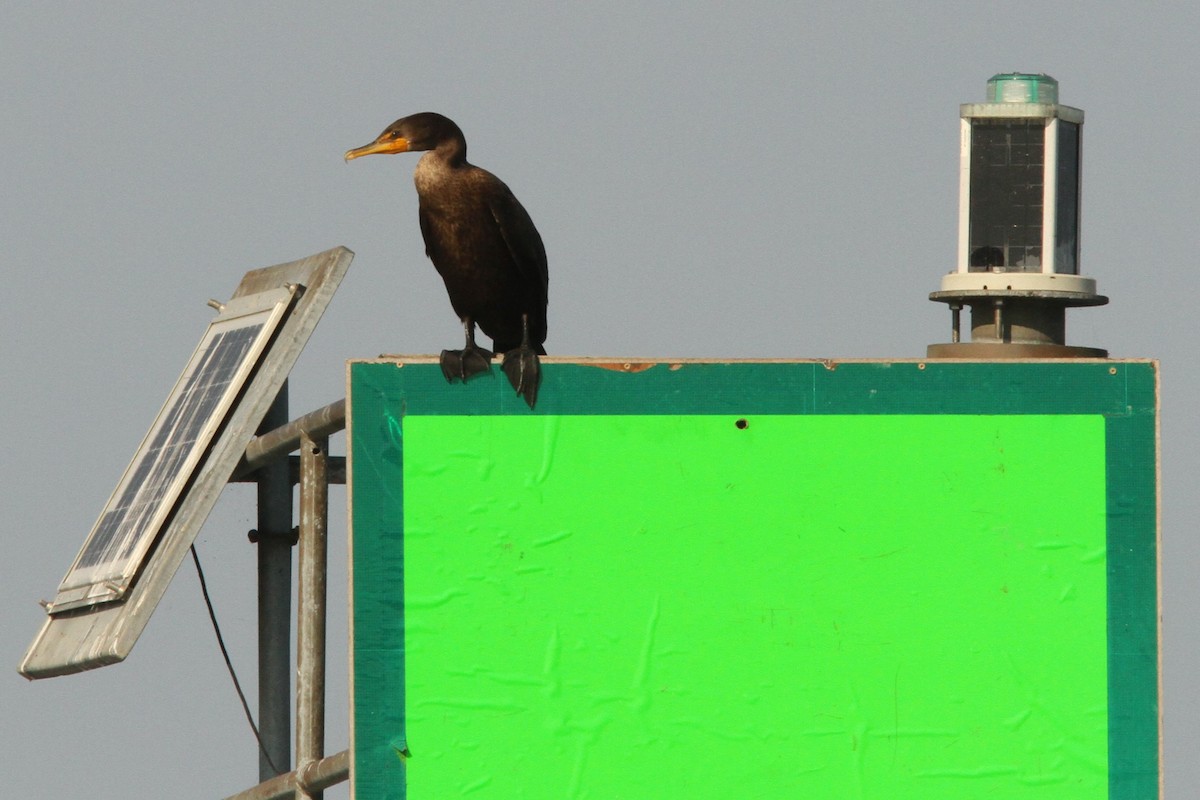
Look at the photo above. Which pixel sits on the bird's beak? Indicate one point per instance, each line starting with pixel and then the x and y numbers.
pixel 399 145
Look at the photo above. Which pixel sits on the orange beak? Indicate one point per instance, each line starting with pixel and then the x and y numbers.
pixel 380 145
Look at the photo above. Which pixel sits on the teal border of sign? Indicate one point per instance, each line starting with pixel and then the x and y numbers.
pixel 1125 393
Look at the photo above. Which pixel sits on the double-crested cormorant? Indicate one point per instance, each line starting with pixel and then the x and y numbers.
pixel 484 245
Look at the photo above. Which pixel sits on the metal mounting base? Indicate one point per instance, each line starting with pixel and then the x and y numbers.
pixel 987 351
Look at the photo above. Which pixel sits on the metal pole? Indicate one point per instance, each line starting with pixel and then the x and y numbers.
pixel 269 445
pixel 274 538
pixel 319 775
pixel 310 626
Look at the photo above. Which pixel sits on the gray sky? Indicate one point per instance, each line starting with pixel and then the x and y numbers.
pixel 710 180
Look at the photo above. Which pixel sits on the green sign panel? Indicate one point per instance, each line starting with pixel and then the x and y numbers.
pixel 893 580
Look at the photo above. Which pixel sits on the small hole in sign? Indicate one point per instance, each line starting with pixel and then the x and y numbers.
pixel 742 424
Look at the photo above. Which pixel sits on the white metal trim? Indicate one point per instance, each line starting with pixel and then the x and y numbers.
pixel 1026 110
pixel 964 196
pixel 1018 281
pixel 1049 196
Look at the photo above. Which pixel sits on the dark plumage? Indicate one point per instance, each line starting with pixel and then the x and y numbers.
pixel 484 245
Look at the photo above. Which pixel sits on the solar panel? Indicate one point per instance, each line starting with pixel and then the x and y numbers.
pixel 169 455
pixel 163 499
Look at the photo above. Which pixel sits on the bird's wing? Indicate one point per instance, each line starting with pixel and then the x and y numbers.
pixel 427 233
pixel 522 238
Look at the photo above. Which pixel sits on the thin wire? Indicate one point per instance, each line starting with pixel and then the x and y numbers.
pixel 212 615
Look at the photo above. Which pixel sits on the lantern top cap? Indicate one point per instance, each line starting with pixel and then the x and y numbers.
pixel 1022 87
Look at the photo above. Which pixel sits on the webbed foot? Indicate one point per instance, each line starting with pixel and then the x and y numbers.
pixel 462 365
pixel 524 372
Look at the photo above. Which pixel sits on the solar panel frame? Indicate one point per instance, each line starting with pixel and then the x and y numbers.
pixel 94 636
pixel 164 463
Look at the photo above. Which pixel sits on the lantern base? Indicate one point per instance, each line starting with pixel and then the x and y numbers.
pixel 995 351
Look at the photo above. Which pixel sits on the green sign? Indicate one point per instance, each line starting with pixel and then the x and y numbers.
pixel 894 580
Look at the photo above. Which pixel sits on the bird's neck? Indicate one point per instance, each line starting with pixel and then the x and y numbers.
pixel 435 170
pixel 451 151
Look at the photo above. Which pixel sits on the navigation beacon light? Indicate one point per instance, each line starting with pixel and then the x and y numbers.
pixel 1018 225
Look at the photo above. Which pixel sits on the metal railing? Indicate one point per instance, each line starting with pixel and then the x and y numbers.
pixel 309 434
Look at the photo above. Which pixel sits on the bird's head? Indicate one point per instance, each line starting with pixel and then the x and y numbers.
pixel 424 131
